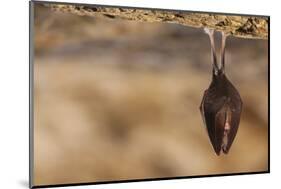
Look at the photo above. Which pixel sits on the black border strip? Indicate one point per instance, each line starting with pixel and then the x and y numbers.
pixel 31 108
pixel 268 93
pixel 31 112
pixel 149 179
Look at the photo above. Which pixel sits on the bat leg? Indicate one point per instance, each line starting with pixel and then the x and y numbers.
pixel 222 53
pixel 210 33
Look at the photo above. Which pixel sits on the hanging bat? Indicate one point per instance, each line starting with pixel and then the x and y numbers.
pixel 221 105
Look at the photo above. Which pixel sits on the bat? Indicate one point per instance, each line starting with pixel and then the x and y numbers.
pixel 221 105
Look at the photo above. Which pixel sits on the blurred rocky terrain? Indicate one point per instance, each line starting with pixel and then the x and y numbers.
pixel 120 100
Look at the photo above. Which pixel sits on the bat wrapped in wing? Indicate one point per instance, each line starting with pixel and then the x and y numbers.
pixel 221 105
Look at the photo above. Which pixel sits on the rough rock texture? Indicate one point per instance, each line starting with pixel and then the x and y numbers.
pixel 238 26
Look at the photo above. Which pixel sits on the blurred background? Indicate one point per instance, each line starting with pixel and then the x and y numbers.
pixel 118 100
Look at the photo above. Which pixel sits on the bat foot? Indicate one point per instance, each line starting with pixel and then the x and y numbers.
pixel 209 31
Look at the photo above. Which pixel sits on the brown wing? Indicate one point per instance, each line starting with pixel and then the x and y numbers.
pixel 202 108
pixel 213 113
